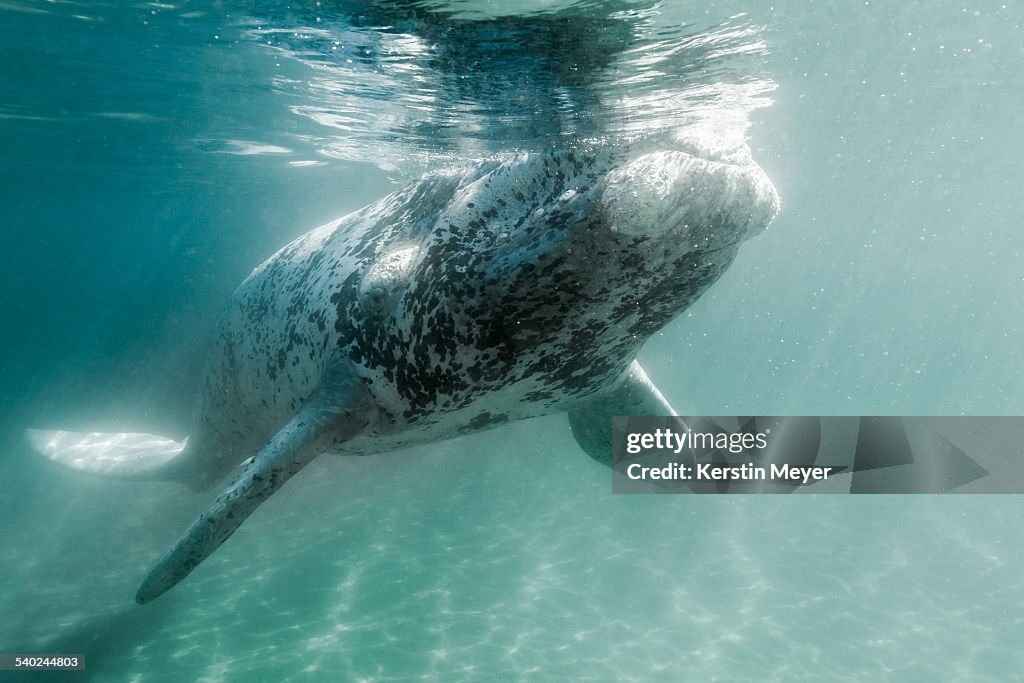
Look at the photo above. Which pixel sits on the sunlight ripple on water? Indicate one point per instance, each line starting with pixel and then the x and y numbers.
pixel 404 82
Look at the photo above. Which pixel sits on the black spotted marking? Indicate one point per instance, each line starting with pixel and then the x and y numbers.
pixel 484 420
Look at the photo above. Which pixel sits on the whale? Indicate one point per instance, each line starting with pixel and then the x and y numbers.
pixel 517 287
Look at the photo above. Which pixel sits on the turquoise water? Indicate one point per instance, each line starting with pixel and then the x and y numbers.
pixel 154 153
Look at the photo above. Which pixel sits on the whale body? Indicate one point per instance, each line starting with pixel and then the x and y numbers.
pixel 517 288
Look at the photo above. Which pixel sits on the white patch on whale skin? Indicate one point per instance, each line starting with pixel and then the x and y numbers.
pixel 388 277
pixel 391 270
pixel 393 266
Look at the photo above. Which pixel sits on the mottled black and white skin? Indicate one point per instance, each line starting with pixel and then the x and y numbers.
pixel 514 289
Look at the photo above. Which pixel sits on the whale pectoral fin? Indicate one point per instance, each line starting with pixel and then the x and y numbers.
pixel 635 394
pixel 125 455
pixel 340 408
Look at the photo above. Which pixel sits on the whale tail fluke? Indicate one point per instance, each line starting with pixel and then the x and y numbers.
pixel 121 455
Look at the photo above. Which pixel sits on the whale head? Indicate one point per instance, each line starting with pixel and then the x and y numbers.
pixel 699 190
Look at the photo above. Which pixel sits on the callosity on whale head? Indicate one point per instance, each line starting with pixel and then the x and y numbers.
pixel 517 288
pixel 703 187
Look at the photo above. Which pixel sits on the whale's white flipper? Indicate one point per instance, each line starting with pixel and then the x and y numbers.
pixel 340 408
pixel 123 455
pixel 634 394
